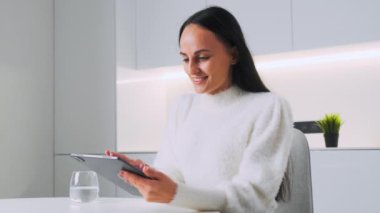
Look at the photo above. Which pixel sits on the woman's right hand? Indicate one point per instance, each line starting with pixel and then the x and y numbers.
pixel 160 188
pixel 136 163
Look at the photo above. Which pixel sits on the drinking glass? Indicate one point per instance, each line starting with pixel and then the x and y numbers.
pixel 84 186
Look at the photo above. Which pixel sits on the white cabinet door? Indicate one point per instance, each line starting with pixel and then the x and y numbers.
pixel 345 180
pixel 125 18
pixel 266 24
pixel 327 23
pixel 85 76
pixel 64 166
pixel 26 98
pixel 157 28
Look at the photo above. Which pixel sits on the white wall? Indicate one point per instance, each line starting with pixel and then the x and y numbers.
pixel 26 98
pixel 143 101
pixel 340 79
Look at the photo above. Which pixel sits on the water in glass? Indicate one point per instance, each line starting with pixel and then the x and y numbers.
pixel 84 186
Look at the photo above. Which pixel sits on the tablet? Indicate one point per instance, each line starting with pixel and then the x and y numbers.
pixel 109 167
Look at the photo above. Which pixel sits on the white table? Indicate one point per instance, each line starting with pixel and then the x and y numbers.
pixel 65 205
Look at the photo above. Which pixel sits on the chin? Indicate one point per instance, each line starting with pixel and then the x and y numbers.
pixel 199 90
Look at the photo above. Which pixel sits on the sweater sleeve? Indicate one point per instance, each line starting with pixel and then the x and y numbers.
pixel 165 160
pixel 255 186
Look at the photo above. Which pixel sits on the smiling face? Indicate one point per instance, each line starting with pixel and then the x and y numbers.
pixel 206 60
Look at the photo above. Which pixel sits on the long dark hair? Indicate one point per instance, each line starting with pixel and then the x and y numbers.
pixel 244 74
pixel 224 25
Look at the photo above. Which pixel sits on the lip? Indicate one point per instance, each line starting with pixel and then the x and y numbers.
pixel 199 79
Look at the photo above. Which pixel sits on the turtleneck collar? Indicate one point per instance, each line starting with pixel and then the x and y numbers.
pixel 220 99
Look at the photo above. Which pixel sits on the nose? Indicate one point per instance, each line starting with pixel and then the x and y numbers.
pixel 193 67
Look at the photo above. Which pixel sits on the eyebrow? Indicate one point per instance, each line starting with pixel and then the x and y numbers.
pixel 196 52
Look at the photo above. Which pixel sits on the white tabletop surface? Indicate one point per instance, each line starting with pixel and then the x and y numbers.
pixel 65 205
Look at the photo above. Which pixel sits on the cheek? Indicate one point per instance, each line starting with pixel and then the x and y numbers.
pixel 206 67
pixel 218 70
pixel 185 68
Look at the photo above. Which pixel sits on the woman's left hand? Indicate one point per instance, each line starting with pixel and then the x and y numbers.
pixel 160 188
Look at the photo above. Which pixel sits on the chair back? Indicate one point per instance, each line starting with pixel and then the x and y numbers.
pixel 301 196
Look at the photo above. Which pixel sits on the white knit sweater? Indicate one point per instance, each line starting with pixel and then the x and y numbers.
pixel 227 152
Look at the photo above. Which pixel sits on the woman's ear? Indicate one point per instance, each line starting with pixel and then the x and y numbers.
pixel 235 55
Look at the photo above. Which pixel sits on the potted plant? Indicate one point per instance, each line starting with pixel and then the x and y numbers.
pixel 330 126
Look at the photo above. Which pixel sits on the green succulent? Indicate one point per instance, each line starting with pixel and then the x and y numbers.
pixel 330 124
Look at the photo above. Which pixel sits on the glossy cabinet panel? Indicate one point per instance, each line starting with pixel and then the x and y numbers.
pixel 345 180
pixel 26 98
pixel 328 23
pixel 157 28
pixel 267 25
pixel 85 76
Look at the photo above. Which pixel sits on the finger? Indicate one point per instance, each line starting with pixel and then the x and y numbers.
pixel 136 163
pixel 107 152
pixel 133 179
pixel 139 164
pixel 121 156
pixel 140 184
pixel 151 172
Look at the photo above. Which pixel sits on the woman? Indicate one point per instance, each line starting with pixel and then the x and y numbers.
pixel 227 146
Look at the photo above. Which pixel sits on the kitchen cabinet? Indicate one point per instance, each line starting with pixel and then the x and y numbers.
pixel 267 25
pixel 157 27
pixel 329 23
pixel 85 76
